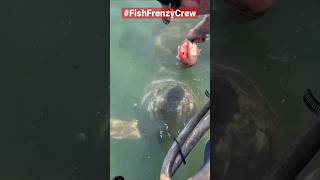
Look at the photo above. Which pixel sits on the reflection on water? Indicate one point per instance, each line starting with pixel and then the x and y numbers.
pixel 143 51
pixel 279 51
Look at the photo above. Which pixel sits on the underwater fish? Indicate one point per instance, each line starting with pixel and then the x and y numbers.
pixel 188 53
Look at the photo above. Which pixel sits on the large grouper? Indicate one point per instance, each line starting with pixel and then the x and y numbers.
pixel 246 140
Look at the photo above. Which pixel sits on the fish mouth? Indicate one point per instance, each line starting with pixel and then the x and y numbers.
pixel 191 134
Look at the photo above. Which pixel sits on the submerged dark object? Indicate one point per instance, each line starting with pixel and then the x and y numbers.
pixel 303 150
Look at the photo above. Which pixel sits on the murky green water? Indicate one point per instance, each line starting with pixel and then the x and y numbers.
pixel 53 84
pixel 280 52
pixel 135 61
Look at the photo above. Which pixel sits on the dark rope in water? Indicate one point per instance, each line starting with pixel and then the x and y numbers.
pixel 180 151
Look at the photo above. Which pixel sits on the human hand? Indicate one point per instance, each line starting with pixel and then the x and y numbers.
pixel 197 35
